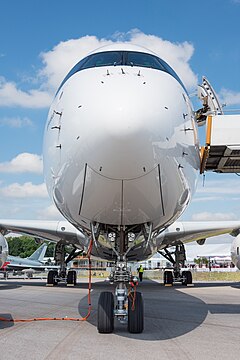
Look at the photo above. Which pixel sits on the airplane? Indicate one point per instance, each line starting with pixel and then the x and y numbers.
pixel 235 252
pixel 33 262
pixel 3 250
pixel 121 159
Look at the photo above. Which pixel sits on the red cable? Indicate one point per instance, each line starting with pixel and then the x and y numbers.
pixel 133 296
pixel 65 318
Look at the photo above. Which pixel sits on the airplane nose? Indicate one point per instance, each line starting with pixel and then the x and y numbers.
pixel 119 137
pixel 124 136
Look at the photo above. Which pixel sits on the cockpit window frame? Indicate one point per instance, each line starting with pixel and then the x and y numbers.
pixel 93 61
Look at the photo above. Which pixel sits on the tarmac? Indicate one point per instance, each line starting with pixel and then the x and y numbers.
pixel 199 322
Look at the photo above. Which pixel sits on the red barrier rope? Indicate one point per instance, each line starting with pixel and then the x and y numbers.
pixel 65 318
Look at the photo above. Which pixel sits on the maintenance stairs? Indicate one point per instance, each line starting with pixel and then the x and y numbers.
pixel 221 152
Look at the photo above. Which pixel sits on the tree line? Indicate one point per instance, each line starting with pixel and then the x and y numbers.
pixel 24 246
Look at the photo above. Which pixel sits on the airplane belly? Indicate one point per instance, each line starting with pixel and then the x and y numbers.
pixel 156 197
pixel 122 202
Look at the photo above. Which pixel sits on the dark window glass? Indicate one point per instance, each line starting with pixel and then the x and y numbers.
pixel 143 60
pixel 122 58
pixel 109 58
pixel 169 70
pixel 74 70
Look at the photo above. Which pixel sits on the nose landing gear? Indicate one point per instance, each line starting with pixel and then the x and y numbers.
pixel 128 303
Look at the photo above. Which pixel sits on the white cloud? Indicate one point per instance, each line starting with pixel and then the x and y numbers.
pixel 177 55
pixel 16 122
pixel 229 97
pixel 10 95
pixel 27 190
pixel 213 216
pixel 207 198
pixel 58 61
pixel 50 213
pixel 24 162
pixel 66 54
pixel 222 187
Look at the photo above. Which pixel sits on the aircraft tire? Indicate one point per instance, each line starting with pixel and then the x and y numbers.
pixel 187 277
pixel 51 277
pixel 168 278
pixel 72 277
pixel 135 313
pixel 105 313
pixel 184 278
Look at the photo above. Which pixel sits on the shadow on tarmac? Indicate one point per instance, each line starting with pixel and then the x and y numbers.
pixel 168 312
pixel 236 285
pixel 6 324
pixel 8 286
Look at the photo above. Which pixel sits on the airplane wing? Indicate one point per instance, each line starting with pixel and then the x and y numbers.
pixel 16 266
pixel 177 232
pixel 197 231
pixel 48 230
pixel 24 266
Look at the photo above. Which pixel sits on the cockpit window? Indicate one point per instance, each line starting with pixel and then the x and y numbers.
pixel 110 58
pixel 143 60
pixel 122 58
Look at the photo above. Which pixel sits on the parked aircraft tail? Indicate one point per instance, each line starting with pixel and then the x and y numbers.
pixel 39 253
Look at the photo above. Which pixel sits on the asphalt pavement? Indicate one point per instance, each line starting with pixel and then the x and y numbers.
pixel 199 322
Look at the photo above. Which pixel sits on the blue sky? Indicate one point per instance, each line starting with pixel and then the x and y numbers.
pixel 41 40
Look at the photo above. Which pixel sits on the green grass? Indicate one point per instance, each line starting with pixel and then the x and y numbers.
pixel 216 276
pixel 199 276
pixel 158 274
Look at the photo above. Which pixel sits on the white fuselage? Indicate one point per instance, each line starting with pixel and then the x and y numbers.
pixel 3 250
pixel 235 251
pixel 121 146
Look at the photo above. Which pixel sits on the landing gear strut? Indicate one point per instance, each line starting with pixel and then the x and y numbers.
pixel 178 261
pixel 62 275
pixel 128 302
pixel 128 308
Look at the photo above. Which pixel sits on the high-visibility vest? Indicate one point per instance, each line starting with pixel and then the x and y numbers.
pixel 140 270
